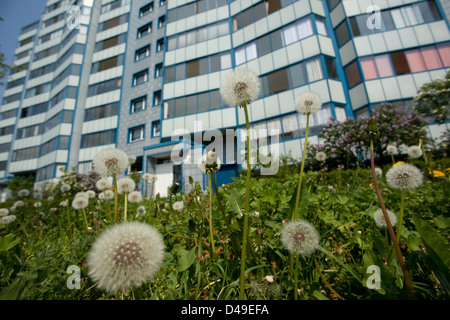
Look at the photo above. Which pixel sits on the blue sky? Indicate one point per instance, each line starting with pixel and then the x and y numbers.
pixel 16 14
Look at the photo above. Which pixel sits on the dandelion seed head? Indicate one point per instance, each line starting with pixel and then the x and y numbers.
pixel 80 203
pixel 125 255
pixel 308 103
pixel 380 221
pixel 404 176
pixel 65 187
pixel 7 219
pixel 321 156
pixel 178 205
pixel 240 88
pixel 378 172
pixel 23 193
pixel 103 184
pixel 37 204
pixel 4 212
pixel 141 210
pixel 135 197
pixel 91 194
pixel 414 152
pixel 300 237
pixel 391 149
pixel 125 185
pixel 111 162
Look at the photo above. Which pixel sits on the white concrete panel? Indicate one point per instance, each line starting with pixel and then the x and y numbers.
pixel 440 31
pixel 294 52
pixel 189 122
pixel 375 91
pixel 202 83
pixel 301 8
pixel 215 119
pixel 421 78
pixel 337 91
pixel 391 89
pixel 337 15
pixel 392 40
pixel 212 46
pixel 169 58
pixel 266 63
pixel 280 58
pixel 271 106
pixel 203 118
pixel 310 47
pixel 249 33
pixel 191 51
pixel 351 7
pixel 274 20
pixel 408 37
pixel 286 101
pixel 261 27
pixel 377 43
pixel 358 96
pixel 423 34
pixel 326 45
pixel 191 85
pixel 256 110
pixel 407 86
pixel 169 90
pixel 362 46
pixel 321 88
pixel 228 117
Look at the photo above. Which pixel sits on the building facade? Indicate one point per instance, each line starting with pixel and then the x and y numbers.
pixel 144 76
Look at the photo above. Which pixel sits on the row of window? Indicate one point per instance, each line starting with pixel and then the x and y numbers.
pixel 193 8
pixel 272 83
pixel 390 19
pixel 60 142
pixel 140 103
pixel 194 36
pixel 258 12
pixel 137 133
pixel 107 63
pixel 34 110
pixel 108 110
pixel 105 86
pixel 110 42
pixel 15 83
pixel 399 62
pixel 114 22
pixel 397 18
pixel 113 5
pixel 278 39
pixel 197 67
pixel 6 130
pixel 148 8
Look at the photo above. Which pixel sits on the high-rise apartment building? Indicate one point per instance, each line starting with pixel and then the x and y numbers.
pixel 144 76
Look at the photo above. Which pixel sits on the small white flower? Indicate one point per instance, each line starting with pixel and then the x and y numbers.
pixel 210 163
pixel 63 203
pixel 37 204
pixel 321 156
pixel 391 149
pixel 178 206
pixel 240 88
pixel 4 212
pixel 270 279
pixel 141 210
pixel 111 162
pixel 403 148
pixel 308 103
pixel 103 184
pixel 135 197
pixel 414 152
pixel 109 194
pixel 125 185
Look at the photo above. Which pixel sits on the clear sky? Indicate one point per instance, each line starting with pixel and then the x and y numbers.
pixel 16 14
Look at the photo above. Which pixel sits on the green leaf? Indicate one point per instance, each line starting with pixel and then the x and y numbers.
pixel 8 242
pixel 319 295
pixel 236 202
pixel 186 260
pixel 14 291
pixel 434 243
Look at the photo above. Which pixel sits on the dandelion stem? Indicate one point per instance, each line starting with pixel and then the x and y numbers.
pixel 297 199
pixel 389 225
pixel 220 202
pixel 210 215
pixel 296 278
pixel 125 209
pixel 402 210
pixel 116 201
pixel 68 220
pixel 246 207
pixel 85 219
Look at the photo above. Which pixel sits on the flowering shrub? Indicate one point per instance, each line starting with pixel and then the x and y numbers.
pixel 346 144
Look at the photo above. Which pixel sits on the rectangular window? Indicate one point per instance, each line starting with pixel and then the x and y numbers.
pixel 400 63
pixel 158 70
pixel 105 86
pixel 342 33
pixel 142 53
pixel 160 45
pixel 352 72
pixel 161 21
pixel 101 112
pixel 140 77
pixel 145 10
pixel 157 98
pixel 6 130
pixel 192 68
pixel 156 129
pixel 98 138
pixel 139 104
pixel 136 134
pixel 278 81
pixel 144 30
pixel 25 154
